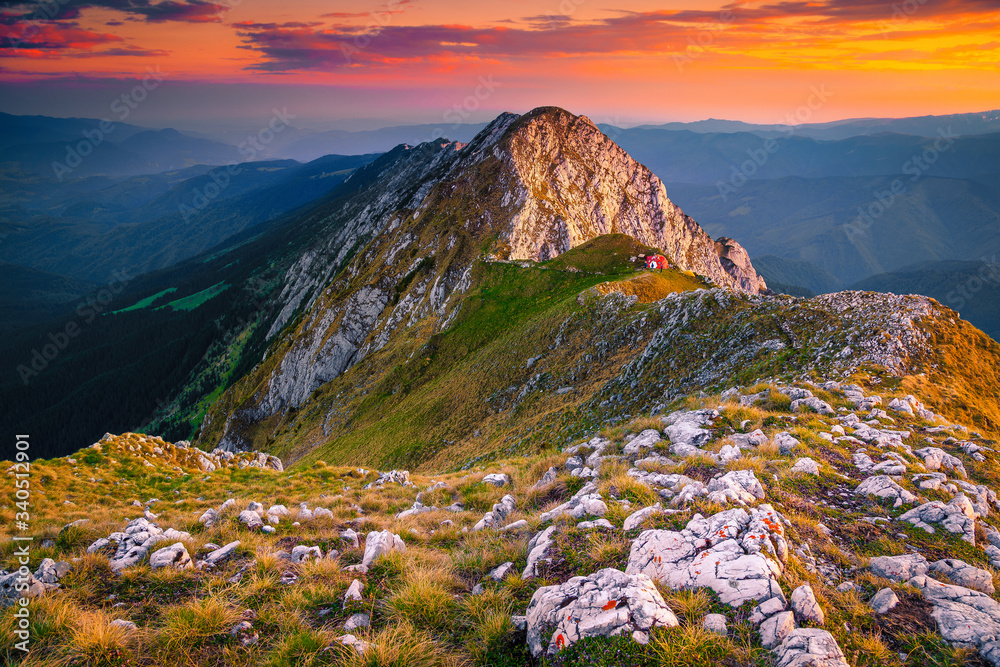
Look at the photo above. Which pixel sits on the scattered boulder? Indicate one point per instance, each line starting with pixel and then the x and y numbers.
pixel 805 605
pixel 128 626
pixel 684 429
pixel 251 520
pixel 496 517
pixel 244 633
pixel 957 516
pixel 964 617
pixel 735 553
pixel 357 621
pixel 884 601
pixel 500 572
pixel 222 553
pixel 401 477
pixel 961 573
pixel 49 572
pixel 585 502
pixel 813 403
pixel 14 586
pixel 774 630
pixel 810 647
pixel 645 440
pixel 538 548
pixel 884 487
pixel 548 478
pixel 636 519
pixel 353 593
pixel 715 623
pixel 176 555
pixel 302 553
pixel 379 544
pixel 899 568
pixel 937 459
pixel 358 645
pixel 785 442
pixel 738 486
pixel 497 479
pixel 607 603
pixel 806 465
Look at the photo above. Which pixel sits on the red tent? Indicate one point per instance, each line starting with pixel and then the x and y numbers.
pixel 654 262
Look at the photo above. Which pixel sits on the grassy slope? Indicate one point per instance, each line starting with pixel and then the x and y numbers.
pixel 419 601
pixel 435 401
pixel 410 403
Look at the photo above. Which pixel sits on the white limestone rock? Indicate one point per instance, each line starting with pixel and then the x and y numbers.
pixel 636 519
pixel 884 487
pixel 607 603
pixel 884 601
pixel 807 466
pixel 176 555
pixel 810 647
pixel 736 486
pixel 497 479
pixel 958 516
pixel 805 605
pixel 963 574
pixel 379 543
pixel 899 568
pixel 737 554
pixel 496 517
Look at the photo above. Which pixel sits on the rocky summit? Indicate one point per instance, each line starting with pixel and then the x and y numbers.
pixel 482 432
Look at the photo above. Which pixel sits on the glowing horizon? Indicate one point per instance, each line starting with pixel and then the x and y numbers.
pixel 641 61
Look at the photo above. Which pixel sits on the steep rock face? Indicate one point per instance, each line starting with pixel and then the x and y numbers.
pixel 525 188
pixel 574 183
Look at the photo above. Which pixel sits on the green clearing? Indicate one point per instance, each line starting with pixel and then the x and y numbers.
pixel 194 300
pixel 145 303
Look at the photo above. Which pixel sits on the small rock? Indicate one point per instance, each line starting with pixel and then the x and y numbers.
pixel 716 623
pixel 353 593
pixel 356 621
pixel 899 568
pixel 884 601
pixel 497 479
pixel 774 630
pixel 805 605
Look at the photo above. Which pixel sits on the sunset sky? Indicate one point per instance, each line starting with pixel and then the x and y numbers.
pixel 375 63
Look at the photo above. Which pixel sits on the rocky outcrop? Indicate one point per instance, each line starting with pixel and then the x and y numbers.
pixel 607 603
pixel 535 185
pixel 611 193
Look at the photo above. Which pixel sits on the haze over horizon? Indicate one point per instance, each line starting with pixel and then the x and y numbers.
pixel 434 61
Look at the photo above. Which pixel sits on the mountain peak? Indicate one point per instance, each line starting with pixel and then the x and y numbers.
pixel 569 182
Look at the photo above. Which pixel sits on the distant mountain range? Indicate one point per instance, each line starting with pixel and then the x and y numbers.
pixel 983 122
pixel 146 223
pixel 72 148
pixel 796 196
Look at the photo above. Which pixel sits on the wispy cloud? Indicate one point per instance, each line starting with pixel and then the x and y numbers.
pixel 774 30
